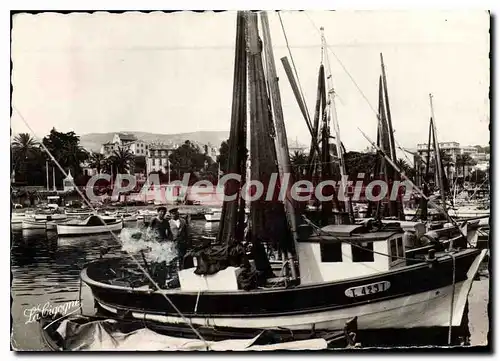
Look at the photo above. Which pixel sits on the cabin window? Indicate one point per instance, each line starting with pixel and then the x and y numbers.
pixel 364 254
pixel 331 252
pixel 397 249
pixel 394 250
pixel 400 247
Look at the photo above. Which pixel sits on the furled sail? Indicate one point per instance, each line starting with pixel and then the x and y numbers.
pixel 267 216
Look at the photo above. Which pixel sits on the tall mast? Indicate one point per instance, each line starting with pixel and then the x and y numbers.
pixel 333 113
pixel 281 143
pixel 317 113
pixel 396 206
pixel 54 178
pixel 298 97
pixel 47 174
pixel 437 155
pixel 388 110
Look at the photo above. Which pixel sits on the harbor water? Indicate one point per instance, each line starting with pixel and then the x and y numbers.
pixel 45 273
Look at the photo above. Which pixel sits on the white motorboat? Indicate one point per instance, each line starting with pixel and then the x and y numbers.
pixel 214 214
pixel 50 217
pixel 78 213
pixel 91 225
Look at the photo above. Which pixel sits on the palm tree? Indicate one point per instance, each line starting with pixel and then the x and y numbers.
pixel 24 148
pixel 409 171
pixel 72 156
pixel 121 160
pixel 463 161
pixel 97 161
pixel 298 161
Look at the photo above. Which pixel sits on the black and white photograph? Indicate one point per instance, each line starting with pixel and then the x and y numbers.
pixel 265 180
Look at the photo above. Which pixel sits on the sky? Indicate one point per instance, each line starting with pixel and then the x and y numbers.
pixel 173 73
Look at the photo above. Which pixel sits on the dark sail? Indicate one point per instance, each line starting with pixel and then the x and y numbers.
pixel 231 225
pixel 267 217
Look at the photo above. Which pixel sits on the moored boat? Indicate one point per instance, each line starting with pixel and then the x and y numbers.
pixel 338 281
pixel 333 272
pixel 213 215
pixel 33 224
pixel 77 213
pixel 91 225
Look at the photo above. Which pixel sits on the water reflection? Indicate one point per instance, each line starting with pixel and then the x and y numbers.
pixel 46 268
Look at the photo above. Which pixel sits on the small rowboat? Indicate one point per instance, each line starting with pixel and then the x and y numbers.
pixel 33 224
pixel 91 225
pixel 73 213
pixel 50 217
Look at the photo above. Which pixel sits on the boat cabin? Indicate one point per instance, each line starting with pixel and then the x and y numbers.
pixel 95 220
pixel 53 202
pixel 340 252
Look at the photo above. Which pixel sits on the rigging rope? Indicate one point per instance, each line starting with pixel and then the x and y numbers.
pixel 186 320
pixel 357 87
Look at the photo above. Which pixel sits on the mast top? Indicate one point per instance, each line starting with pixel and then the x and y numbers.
pixel 322 29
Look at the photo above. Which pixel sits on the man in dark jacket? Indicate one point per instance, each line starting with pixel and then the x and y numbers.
pixel 180 236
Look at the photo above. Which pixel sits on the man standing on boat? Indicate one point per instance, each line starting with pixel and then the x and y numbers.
pixel 179 232
pixel 159 227
pixel 159 231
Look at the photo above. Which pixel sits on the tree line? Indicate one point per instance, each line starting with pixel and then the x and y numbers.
pixel 29 161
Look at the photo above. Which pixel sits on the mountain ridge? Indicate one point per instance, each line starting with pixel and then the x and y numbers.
pixel 93 141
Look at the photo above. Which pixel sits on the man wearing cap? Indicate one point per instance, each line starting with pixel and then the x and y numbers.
pixel 179 232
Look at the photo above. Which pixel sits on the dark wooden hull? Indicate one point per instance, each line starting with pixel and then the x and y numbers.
pixel 424 287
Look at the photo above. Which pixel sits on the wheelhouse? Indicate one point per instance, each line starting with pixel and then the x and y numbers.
pixel 339 252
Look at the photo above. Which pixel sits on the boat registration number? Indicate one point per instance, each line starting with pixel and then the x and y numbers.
pixel 368 289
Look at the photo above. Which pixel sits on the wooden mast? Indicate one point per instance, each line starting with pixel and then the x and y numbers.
pixel 281 143
pixel 383 141
pixel 438 156
pixel 319 109
pixel 423 202
pixel 298 97
pixel 336 127
pixel 396 207
pixel 388 111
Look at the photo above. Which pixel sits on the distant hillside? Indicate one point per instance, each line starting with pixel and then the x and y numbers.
pixel 93 141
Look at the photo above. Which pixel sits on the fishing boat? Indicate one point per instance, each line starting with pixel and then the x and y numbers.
pixel 339 281
pixel 49 217
pixel 213 215
pixel 125 216
pixel 334 272
pixel 146 214
pixel 77 212
pixel 33 224
pixel 18 218
pixel 91 225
